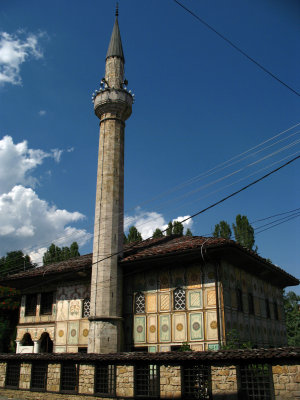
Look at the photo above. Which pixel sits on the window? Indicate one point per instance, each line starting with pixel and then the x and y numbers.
pixel 30 306
pixel 146 380
pixel 239 299
pixel 255 381
pixel 275 310
pixel 39 376
pixel 82 349
pixel 196 382
pixel 12 375
pixel 268 314
pixel 105 380
pixel 140 303
pixel 86 307
pixel 250 303
pixel 46 303
pixel 69 377
pixel 179 299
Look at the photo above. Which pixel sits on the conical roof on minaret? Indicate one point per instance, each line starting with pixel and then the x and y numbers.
pixel 115 48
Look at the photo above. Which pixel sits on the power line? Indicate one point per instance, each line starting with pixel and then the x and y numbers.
pixel 237 48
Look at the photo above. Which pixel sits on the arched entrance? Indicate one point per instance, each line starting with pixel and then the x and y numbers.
pixel 46 344
pixel 26 341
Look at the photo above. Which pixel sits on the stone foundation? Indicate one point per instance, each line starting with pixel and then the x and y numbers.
pixel 286 380
pixel 53 378
pixel 224 382
pixel 170 382
pixel 124 386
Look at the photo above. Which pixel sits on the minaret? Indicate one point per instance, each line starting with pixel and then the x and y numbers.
pixel 112 105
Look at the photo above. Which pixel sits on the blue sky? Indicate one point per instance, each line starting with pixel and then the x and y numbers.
pixel 198 103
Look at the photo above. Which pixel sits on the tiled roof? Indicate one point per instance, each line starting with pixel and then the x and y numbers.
pixel 155 248
pixel 172 357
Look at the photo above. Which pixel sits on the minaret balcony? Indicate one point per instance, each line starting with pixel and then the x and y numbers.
pixel 113 101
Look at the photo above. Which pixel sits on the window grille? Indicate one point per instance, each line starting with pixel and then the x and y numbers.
pixel 256 382
pixel 268 314
pixel 146 380
pixel 12 375
pixel 239 298
pixel 250 303
pixel 105 379
pixel 275 310
pixel 179 299
pixel 30 307
pixel 196 382
pixel 69 378
pixel 140 303
pixel 86 308
pixel 46 303
pixel 39 376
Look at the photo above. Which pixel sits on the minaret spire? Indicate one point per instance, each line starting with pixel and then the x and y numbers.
pixel 112 105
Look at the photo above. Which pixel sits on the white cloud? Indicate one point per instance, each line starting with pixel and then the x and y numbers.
pixel 147 221
pixel 69 150
pixel 14 51
pixel 57 154
pixel 42 113
pixel 26 221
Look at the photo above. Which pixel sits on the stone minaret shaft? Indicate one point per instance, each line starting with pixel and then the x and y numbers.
pixel 112 106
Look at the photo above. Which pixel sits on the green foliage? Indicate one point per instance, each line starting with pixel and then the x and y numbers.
pixel 185 347
pixel 157 233
pixel 134 235
pixel 169 230
pixel 15 261
pixel 243 232
pixel 188 232
pixel 56 254
pixel 177 228
pixel 174 228
pixel 222 229
pixel 292 317
pixel 233 341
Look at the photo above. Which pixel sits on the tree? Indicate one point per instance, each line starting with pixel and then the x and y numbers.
pixel 188 232
pixel 174 228
pixel 56 254
pixel 15 261
pixel 157 233
pixel 243 232
pixel 222 229
pixel 292 317
pixel 134 235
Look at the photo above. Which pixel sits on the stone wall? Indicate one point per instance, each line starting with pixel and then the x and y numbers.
pixel 53 378
pixel 25 376
pixel 286 380
pixel 224 382
pixel 124 386
pixel 170 382
pixel 86 379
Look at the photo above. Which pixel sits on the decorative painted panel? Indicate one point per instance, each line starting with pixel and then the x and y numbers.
pixel 152 328
pixel 75 309
pixel 60 349
pixel 213 346
pixel 73 332
pixel 164 328
pixel 139 330
pixel 61 333
pixel 211 325
pixel 83 332
pixel 152 349
pixel 179 328
pixel 196 326
pixel 165 302
pixel 197 347
pixel 194 279
pixel 62 310
pixel 210 297
pixel 151 302
pixel 194 299
pixel 164 348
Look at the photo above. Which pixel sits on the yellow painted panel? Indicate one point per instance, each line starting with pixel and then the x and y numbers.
pixel 211 325
pixel 152 328
pixel 165 302
pixel 210 296
pixel 151 302
pixel 179 328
